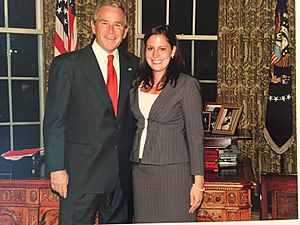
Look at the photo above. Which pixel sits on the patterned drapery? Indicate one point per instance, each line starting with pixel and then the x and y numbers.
pixel 245 40
pixel 246 30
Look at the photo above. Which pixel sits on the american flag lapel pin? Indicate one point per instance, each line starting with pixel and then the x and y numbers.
pixel 129 68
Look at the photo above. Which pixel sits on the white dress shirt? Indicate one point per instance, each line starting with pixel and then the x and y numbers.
pixel 101 56
pixel 146 101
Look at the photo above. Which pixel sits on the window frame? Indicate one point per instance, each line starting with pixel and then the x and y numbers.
pixel 182 37
pixel 38 31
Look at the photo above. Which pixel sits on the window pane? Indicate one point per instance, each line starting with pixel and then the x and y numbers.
pixel 26 137
pixel 24 55
pixel 153 13
pixel 25 101
pixel 4 116
pixel 207 17
pixel 179 23
pixel 21 14
pixel 208 92
pixel 1 13
pixel 186 54
pixel 5 146
pixel 206 60
pixel 3 59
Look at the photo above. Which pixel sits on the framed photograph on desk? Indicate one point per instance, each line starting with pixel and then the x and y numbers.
pixel 214 109
pixel 206 117
pixel 228 118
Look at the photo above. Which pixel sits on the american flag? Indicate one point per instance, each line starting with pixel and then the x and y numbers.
pixel 65 27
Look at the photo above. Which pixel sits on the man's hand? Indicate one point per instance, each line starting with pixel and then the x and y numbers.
pixel 59 182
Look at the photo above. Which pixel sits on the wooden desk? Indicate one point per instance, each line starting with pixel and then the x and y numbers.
pixel 228 194
pixel 223 141
pixel 28 202
pixel 284 195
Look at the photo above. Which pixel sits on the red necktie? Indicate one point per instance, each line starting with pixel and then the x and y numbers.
pixel 112 83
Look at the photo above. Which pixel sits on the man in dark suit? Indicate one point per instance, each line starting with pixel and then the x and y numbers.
pixel 88 131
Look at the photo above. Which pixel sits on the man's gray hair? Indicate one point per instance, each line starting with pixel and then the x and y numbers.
pixel 114 3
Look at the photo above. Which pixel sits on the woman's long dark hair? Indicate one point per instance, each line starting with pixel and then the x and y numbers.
pixel 145 75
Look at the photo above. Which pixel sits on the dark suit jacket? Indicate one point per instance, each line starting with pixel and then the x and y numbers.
pixel 175 130
pixel 81 132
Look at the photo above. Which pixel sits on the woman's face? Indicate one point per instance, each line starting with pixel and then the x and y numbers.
pixel 159 53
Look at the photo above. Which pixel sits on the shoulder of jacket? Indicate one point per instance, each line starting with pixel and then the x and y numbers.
pixel 129 56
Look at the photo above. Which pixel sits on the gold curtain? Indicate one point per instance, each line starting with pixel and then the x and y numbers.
pixel 84 12
pixel 245 40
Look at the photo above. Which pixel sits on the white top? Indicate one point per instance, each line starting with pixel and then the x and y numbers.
pixel 146 101
pixel 101 56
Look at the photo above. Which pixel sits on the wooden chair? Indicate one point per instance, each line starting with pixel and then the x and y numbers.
pixel 284 196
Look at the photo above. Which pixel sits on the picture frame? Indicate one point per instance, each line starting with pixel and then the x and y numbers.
pixel 214 109
pixel 206 118
pixel 228 118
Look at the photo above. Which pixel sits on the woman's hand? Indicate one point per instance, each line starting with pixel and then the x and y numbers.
pixel 196 196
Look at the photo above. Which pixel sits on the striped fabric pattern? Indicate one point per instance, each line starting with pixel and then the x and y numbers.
pixel 65 39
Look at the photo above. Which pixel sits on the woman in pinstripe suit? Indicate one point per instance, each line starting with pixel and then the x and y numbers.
pixel 167 154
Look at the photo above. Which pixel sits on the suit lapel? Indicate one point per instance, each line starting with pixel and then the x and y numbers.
pixel 93 73
pixel 134 101
pixel 164 96
pixel 126 76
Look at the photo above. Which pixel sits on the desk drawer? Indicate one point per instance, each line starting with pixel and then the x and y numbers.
pixel 19 196
pixel 18 215
pixel 214 199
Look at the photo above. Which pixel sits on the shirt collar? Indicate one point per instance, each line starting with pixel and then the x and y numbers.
pixel 102 54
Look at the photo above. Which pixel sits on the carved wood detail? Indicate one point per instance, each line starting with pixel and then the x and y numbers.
pixel 48 196
pixel 33 196
pixel 210 215
pixel 49 216
pixel 231 198
pixel 12 195
pixel 232 216
pixel 244 198
pixel 10 216
pixel 33 216
pixel 211 197
pixel 28 202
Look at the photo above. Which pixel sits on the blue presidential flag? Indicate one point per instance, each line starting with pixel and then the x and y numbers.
pixel 278 130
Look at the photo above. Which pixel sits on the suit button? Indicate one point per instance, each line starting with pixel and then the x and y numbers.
pixel 116 146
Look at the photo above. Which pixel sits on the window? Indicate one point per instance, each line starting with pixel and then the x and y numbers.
pixel 21 77
pixel 196 25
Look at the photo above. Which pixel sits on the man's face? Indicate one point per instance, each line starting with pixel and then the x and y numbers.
pixel 109 28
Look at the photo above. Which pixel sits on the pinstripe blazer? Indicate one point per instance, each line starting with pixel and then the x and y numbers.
pixel 175 130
